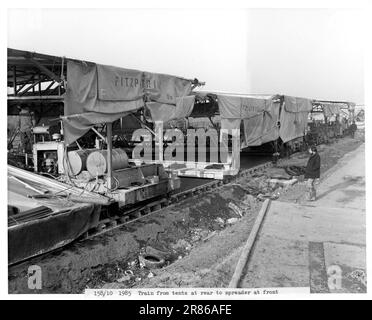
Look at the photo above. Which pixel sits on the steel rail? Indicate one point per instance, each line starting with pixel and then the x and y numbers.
pixel 143 211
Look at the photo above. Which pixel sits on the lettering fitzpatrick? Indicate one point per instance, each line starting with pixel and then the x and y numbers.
pixel 156 310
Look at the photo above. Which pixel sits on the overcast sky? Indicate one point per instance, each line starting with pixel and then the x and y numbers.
pixel 314 53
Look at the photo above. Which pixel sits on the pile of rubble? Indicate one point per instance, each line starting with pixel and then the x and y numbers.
pixel 273 182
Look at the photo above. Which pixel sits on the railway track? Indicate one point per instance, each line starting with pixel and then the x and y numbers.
pixel 144 210
pixel 125 216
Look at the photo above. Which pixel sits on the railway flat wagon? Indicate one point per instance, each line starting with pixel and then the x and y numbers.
pixel 212 130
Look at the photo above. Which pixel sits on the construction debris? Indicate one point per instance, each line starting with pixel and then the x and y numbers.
pixel 220 221
pixel 124 278
pixel 275 183
pixel 237 210
pixel 181 244
pixel 232 221
pixel 212 234
pixel 151 261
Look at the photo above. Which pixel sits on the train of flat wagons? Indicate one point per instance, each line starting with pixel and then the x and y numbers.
pixel 88 142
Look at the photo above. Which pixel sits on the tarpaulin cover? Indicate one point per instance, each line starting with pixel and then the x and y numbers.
pixel 166 112
pixel 293 117
pixel 331 109
pixel 166 89
pixel 43 235
pixel 118 84
pixel 77 125
pixel 83 107
pixel 260 118
pixel 230 124
pixel 98 93
pixel 262 127
pixel 230 107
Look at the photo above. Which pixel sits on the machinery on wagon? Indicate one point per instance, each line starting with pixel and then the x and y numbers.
pixel 77 146
pixel 70 130
pixel 329 120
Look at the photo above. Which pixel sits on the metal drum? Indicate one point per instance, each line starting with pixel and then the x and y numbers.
pixel 78 160
pixel 97 161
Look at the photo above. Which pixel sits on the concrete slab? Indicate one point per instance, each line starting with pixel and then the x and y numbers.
pixel 345 185
pixel 278 263
pixel 313 223
pixel 318 244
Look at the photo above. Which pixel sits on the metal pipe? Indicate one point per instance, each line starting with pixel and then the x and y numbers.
pixel 98 134
pixel 109 154
pixel 37 98
pixel 45 70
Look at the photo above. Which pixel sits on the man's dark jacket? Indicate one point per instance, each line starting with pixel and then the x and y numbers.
pixel 312 170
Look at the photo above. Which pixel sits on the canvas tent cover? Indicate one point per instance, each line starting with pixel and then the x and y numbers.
pixel 331 109
pixel 98 93
pixel 166 112
pixel 259 115
pixel 293 117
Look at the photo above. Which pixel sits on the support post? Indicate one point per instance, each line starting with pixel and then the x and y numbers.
pixel 109 154
pixel 39 86
pixel 159 141
pixel 235 151
pixel 15 80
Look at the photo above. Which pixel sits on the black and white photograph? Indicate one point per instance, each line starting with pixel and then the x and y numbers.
pixel 185 152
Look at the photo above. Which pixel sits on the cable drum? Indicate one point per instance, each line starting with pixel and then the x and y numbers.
pixel 97 161
pixel 78 160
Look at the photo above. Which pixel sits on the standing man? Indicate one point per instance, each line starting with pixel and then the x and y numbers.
pixel 353 128
pixel 312 172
